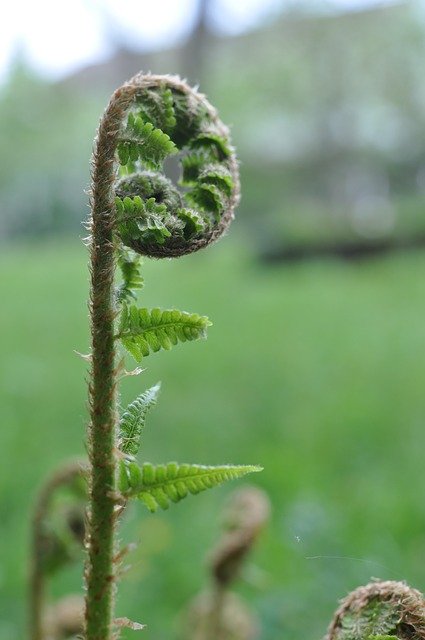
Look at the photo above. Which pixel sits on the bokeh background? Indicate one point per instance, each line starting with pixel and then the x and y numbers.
pixel 315 365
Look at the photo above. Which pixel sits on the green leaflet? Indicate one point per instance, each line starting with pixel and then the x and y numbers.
pixel 212 143
pixel 207 197
pixel 129 263
pixel 375 619
pixel 219 176
pixel 190 118
pixel 193 222
pixel 141 140
pixel 157 485
pixel 133 420
pixel 142 330
pixel 157 107
pixel 142 219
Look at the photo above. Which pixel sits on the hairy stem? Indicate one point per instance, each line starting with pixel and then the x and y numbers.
pixel 61 477
pixel 102 391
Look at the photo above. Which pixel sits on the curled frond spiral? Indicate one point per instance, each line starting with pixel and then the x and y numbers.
pixel 151 118
pixel 380 610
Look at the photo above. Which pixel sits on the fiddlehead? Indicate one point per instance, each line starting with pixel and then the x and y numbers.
pixel 163 116
pixel 57 534
pixel 137 211
pixel 385 610
pixel 218 614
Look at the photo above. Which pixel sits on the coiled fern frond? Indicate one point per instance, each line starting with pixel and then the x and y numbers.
pixel 163 116
pixel 381 610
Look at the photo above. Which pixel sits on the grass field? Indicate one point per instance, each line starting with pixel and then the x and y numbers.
pixel 315 371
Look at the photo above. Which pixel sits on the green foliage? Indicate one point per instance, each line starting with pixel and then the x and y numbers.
pixel 207 197
pixel 142 330
pixel 193 222
pixel 190 117
pixel 375 619
pixel 133 420
pixel 157 107
pixel 219 176
pixel 157 485
pixel 129 264
pixel 212 143
pixel 139 219
pixel 192 165
pixel 141 140
pixel 381 637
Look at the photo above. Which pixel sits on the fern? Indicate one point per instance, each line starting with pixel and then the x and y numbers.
pixel 133 420
pixel 143 220
pixel 376 618
pixel 219 176
pixel 147 119
pixel 190 115
pixel 141 140
pixel 142 330
pixel 129 264
pixel 207 197
pixel 157 485
pixel 157 107
pixel 212 143
pixel 193 222
pixel 192 165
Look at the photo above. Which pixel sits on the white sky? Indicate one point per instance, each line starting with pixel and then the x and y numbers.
pixel 58 36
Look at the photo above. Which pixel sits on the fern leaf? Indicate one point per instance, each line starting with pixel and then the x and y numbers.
pixel 207 197
pixel 145 220
pixel 192 165
pixel 157 485
pixel 133 420
pixel 218 176
pixel 156 106
pixel 190 116
pixel 142 330
pixel 193 222
pixel 143 140
pixel 129 263
pixel 211 142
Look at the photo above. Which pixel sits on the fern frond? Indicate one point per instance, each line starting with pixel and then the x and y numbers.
pixel 129 263
pixel 211 142
pixel 192 165
pixel 141 140
pixel 144 220
pixel 219 176
pixel 142 330
pixel 133 420
pixel 157 107
pixel 190 115
pixel 157 485
pixel 375 618
pixel 193 222
pixel 207 197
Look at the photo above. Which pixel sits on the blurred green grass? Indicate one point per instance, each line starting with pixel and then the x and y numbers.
pixel 315 371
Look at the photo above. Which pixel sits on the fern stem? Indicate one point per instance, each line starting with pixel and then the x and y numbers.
pixel 100 575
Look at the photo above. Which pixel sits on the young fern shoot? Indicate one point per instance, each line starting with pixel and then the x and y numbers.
pixel 137 211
